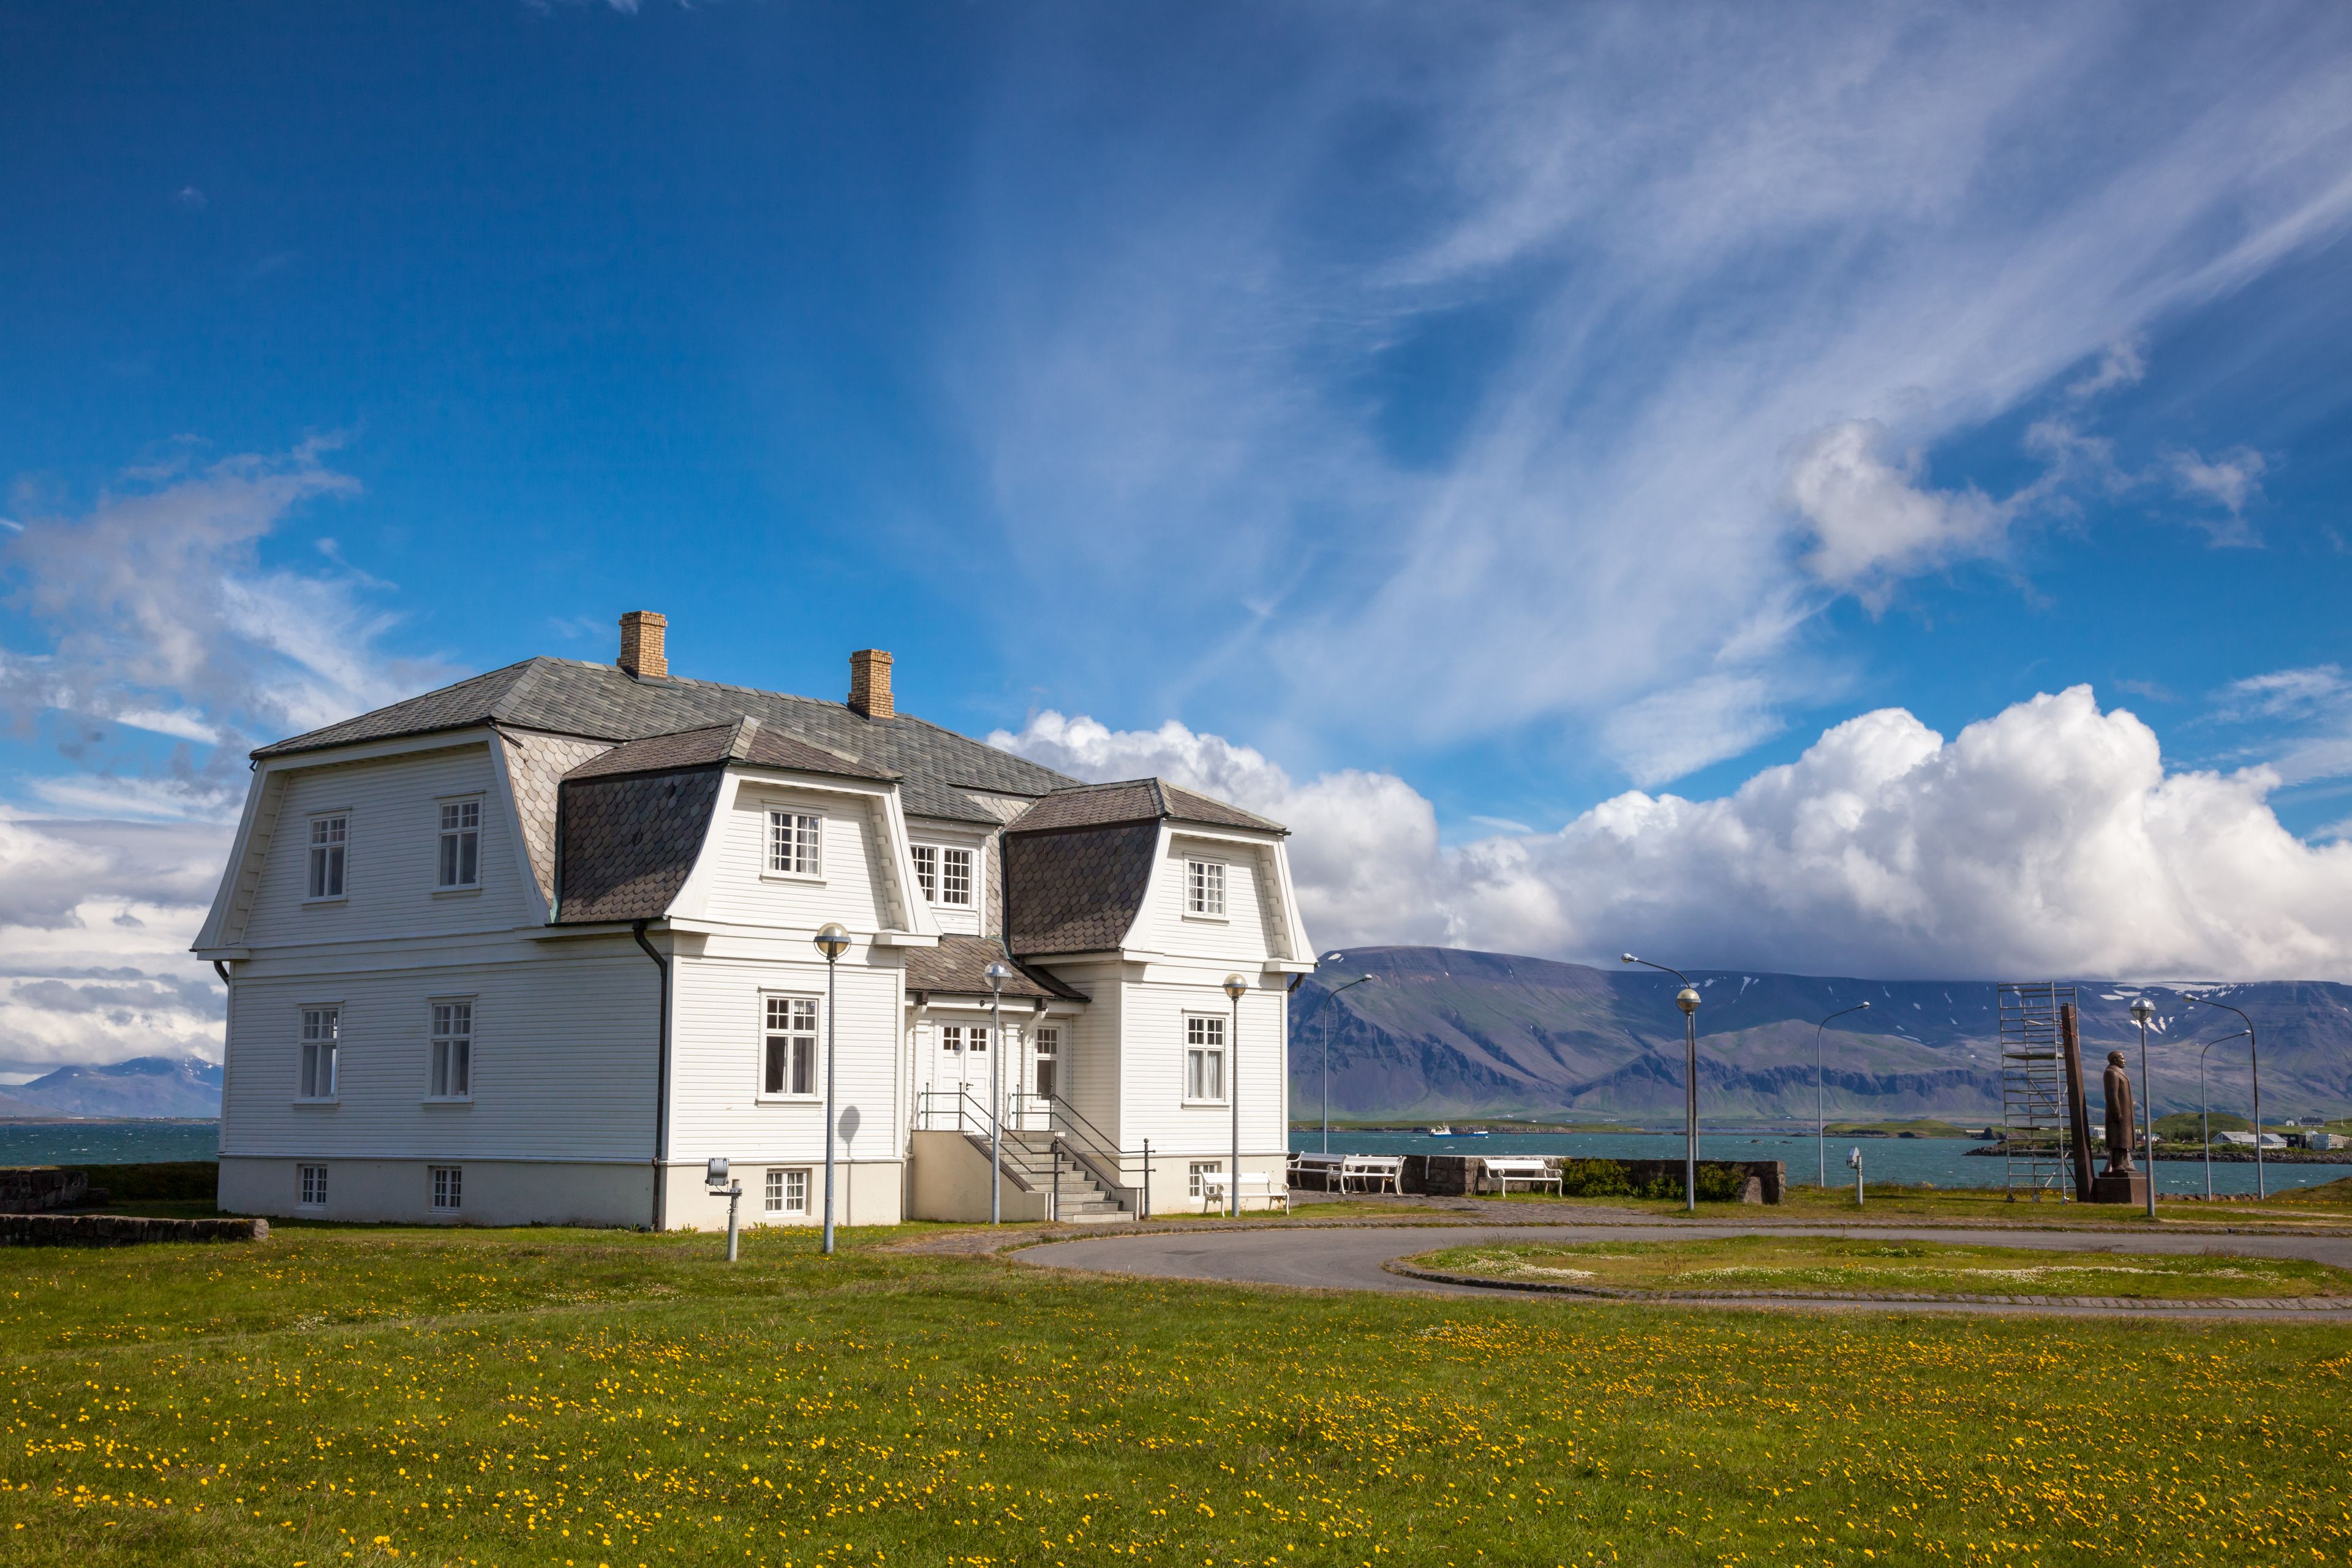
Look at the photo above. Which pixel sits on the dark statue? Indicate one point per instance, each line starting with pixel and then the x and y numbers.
pixel 2120 1133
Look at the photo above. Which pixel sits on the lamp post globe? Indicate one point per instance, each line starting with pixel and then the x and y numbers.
pixel 997 973
pixel 833 941
pixel 1687 999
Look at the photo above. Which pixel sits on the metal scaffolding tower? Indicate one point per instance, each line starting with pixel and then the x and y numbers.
pixel 2034 1116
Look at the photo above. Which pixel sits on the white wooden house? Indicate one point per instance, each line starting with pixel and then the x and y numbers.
pixel 536 946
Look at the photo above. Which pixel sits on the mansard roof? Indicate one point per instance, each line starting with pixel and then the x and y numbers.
pixel 1133 800
pixel 938 770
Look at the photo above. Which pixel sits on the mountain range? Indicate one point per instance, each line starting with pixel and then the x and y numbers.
pixel 143 1086
pixel 1446 1032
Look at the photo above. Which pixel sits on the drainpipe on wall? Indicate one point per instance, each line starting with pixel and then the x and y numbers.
pixel 661 1072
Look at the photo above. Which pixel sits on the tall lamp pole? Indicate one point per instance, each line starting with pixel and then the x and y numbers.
pixel 2205 1115
pixel 1687 1000
pixel 2142 1010
pixel 2253 1050
pixel 1821 1135
pixel 832 941
pixel 1236 989
pixel 1329 999
pixel 997 973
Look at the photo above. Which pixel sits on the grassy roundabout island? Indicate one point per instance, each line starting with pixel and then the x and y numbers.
pixel 1835 1266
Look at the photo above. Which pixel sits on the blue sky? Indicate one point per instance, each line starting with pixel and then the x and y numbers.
pixel 1451 420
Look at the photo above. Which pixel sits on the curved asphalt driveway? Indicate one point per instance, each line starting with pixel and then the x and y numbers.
pixel 1349 1259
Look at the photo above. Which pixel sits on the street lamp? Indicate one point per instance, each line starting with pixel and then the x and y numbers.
pixel 1236 989
pixel 997 973
pixel 2204 1116
pixel 1820 1137
pixel 2253 1050
pixel 1329 999
pixel 1687 1000
pixel 2142 1010
pixel 832 941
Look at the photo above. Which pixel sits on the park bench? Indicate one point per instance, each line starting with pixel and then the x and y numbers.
pixel 1373 1173
pixel 1323 1168
pixel 1534 1172
pixel 1253 1185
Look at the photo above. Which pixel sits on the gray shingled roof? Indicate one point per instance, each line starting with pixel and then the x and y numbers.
pixel 1132 800
pixel 627 842
pixel 602 702
pixel 1076 889
pixel 955 967
pixel 744 740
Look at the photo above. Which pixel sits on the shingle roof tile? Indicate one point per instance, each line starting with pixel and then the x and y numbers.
pixel 1076 890
pixel 600 701
pixel 628 842
pixel 956 966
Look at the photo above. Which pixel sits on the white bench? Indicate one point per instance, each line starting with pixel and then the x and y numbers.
pixel 1534 1173
pixel 1253 1185
pixel 1376 1170
pixel 1324 1168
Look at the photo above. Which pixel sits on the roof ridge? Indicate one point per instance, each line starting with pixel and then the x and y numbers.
pixel 738 745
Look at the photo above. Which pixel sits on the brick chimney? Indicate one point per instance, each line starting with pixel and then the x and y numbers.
pixel 870 683
pixel 641 643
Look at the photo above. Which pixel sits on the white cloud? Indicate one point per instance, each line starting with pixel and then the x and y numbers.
pixel 1670 733
pixel 1872 522
pixel 2124 364
pixel 2229 481
pixel 2046 840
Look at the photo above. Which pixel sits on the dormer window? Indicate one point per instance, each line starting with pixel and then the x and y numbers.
pixel 795 844
pixel 460 864
pixel 944 875
pixel 329 837
pixel 1204 889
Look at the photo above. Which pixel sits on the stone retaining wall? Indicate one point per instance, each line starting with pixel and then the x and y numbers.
pixel 30 1189
pixel 120 1230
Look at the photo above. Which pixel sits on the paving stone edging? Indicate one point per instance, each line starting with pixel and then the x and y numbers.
pixel 2332 1304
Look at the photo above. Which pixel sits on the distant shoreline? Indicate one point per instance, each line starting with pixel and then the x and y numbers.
pixel 110 1121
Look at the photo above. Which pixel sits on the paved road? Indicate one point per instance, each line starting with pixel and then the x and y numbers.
pixel 1350 1258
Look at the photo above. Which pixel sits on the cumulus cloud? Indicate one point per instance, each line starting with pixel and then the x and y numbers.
pixel 1871 519
pixel 2047 840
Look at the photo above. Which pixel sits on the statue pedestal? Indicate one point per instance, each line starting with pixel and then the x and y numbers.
pixel 2108 1188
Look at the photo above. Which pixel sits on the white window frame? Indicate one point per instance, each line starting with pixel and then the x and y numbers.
pixel 447 1188
pixel 1205 1037
pixel 791 1001
pixel 309 1186
pixel 926 870
pixel 803 854
pixel 786 1190
pixel 1197 1169
pixel 931 875
pixel 1046 1049
pixel 327 847
pixel 1206 884
pixel 449 1038
pixel 449 845
pixel 311 1049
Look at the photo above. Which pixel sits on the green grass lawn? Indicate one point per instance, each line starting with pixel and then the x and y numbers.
pixel 1832 1263
pixel 570 1397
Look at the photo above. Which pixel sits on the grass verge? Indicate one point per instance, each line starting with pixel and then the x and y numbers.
pixel 1837 1264
pixel 567 1397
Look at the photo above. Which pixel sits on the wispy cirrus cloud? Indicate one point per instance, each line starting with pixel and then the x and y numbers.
pixel 1591 346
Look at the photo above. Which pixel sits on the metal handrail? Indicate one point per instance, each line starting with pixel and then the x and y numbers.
pixel 1091 1147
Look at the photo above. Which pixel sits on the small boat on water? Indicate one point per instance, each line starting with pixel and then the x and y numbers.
pixel 1442 1131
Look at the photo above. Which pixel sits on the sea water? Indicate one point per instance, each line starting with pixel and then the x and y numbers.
pixel 107 1143
pixel 1897 1161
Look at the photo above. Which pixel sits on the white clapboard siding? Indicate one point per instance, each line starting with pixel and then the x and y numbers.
pixel 564 1047
pixel 1152 1069
pixel 721 1023
pixel 850 890
pixel 390 860
pixel 1244 936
